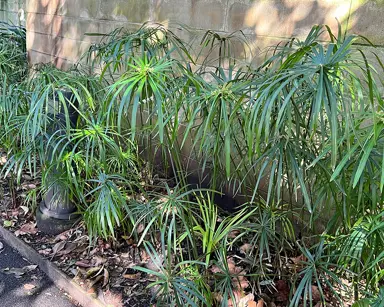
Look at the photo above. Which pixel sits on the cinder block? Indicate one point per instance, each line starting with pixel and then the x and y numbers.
pixel 236 16
pixel 208 15
pixel 196 13
pixel 50 7
pixel 70 49
pixel 35 57
pixel 173 11
pixel 56 25
pixel 40 23
pixel 77 29
pixel 83 9
pixel 43 43
pixel 10 17
pixel 10 5
pixel 135 11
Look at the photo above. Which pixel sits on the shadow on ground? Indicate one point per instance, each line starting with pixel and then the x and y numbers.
pixel 13 291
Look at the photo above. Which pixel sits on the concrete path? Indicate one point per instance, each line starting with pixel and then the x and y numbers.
pixel 32 288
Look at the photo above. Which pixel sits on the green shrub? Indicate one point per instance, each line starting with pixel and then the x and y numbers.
pixel 301 133
pixel 13 53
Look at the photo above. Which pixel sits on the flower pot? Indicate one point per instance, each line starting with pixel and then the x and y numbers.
pixel 57 212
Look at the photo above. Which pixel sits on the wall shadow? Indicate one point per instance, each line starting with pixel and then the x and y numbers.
pixel 56 28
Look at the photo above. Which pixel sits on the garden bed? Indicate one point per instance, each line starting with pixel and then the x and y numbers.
pixel 107 269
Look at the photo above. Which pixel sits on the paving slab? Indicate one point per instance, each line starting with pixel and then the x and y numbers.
pixel 30 289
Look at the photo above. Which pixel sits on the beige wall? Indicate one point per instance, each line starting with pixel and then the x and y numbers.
pixel 12 11
pixel 56 28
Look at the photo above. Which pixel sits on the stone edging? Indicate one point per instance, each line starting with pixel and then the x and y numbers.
pixel 61 280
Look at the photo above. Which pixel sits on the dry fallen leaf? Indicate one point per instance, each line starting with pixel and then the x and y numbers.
pixel 283 290
pixel 245 248
pixel 3 160
pixel 83 264
pixel 231 266
pixel 316 295
pixel 217 297
pixel 215 269
pixel 106 278
pixel 27 187
pixel 27 177
pixel 132 276
pixel 69 247
pixel 130 241
pixel 240 283
pixel 58 247
pixel 94 251
pixel 244 301
pixel 93 272
pixel 19 272
pixel 113 299
pixel 297 262
pixel 62 236
pixel 29 286
pixel 144 256
pixel 45 252
pixel 237 297
pixel 233 234
pixel 140 228
pixel 29 268
pixel 260 303
pixel 267 300
pixel 253 304
pixel 97 260
pixel 25 209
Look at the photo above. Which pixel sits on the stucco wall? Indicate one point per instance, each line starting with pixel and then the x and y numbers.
pixel 56 28
pixel 12 11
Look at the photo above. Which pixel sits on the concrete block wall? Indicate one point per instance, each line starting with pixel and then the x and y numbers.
pixel 13 11
pixel 56 28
